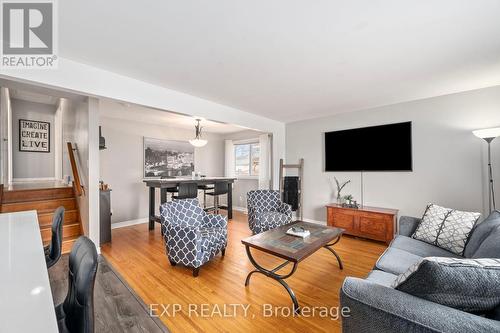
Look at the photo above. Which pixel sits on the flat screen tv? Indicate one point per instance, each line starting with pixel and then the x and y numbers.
pixel 376 148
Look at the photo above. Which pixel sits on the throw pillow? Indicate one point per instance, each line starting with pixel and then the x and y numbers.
pixel 428 229
pixel 469 285
pixel 480 232
pixel 455 231
pixel 446 228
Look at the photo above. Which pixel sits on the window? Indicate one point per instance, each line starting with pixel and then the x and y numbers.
pixel 246 158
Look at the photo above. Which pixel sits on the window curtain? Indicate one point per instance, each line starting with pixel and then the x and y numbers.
pixel 265 162
pixel 229 159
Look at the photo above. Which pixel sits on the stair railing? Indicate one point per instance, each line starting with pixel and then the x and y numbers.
pixel 77 184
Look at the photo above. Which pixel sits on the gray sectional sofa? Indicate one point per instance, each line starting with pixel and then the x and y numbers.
pixel 377 307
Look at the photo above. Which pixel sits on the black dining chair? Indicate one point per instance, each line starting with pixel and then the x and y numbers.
pixel 220 188
pixel 187 190
pixel 54 249
pixel 205 188
pixel 76 313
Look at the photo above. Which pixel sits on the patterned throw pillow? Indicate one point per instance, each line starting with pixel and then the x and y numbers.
pixel 469 285
pixel 446 228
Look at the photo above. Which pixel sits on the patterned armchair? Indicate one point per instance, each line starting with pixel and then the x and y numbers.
pixel 266 211
pixel 192 237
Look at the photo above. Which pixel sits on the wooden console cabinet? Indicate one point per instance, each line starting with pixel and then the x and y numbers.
pixel 367 222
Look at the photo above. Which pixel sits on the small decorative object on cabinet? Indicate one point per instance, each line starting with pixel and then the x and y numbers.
pixel 367 222
pixel 340 187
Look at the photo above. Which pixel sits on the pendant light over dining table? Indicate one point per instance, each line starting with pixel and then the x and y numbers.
pixel 198 141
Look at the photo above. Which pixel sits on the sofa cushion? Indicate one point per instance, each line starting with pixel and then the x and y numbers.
pixel 382 278
pixel 445 227
pixel 469 285
pixel 396 261
pixel 420 248
pixel 480 232
pixel 490 247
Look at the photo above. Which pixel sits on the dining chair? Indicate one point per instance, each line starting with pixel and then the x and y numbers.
pixel 205 188
pixel 187 190
pixel 220 188
pixel 76 313
pixel 54 249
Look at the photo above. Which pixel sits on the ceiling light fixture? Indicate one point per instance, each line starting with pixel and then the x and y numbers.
pixel 198 141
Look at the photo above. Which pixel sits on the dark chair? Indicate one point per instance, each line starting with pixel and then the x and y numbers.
pixel 76 313
pixel 205 188
pixel 187 191
pixel 220 188
pixel 54 249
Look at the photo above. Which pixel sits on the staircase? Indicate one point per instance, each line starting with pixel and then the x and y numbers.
pixel 45 201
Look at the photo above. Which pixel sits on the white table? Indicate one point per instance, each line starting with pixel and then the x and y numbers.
pixel 26 303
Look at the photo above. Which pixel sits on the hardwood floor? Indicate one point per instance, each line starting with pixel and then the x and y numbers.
pixel 139 256
pixel 116 308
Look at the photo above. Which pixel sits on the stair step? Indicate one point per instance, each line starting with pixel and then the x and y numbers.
pixel 67 243
pixel 45 217
pixel 39 205
pixel 37 194
pixel 69 230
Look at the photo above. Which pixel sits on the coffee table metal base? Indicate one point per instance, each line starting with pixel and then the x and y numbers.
pixel 281 277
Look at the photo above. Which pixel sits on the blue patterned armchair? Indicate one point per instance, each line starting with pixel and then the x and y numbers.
pixel 266 211
pixel 192 237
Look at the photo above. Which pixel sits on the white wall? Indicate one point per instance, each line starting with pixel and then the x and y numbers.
pixel 5 136
pixel 75 130
pixel 121 164
pixel 32 164
pixel 449 161
pixel 81 127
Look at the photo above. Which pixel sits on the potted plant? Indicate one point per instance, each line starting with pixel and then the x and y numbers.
pixel 340 187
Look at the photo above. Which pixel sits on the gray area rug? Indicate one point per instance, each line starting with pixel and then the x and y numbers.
pixel 116 306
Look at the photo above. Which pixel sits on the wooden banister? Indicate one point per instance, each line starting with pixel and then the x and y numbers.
pixel 79 190
pixel 1 196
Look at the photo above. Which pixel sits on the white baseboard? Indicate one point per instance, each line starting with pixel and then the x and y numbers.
pixel 314 221
pixel 241 209
pixel 41 179
pixel 129 223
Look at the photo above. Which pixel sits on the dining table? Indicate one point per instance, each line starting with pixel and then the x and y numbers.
pixel 164 183
pixel 26 303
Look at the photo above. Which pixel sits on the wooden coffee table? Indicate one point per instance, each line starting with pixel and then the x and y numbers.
pixel 293 249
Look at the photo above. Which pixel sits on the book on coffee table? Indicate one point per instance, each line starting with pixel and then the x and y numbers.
pixel 298 232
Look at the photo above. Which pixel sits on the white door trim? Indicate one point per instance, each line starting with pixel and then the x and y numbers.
pixel 58 140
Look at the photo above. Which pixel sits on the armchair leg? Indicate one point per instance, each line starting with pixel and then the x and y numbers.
pixel 196 271
pixel 172 262
pixel 223 252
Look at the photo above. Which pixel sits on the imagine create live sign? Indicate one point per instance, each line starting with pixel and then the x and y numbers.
pixel 34 136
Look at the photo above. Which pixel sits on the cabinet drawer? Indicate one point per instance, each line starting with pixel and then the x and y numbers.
pixel 343 221
pixel 375 227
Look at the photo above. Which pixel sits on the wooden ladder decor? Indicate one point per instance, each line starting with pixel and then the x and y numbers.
pixel 300 168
